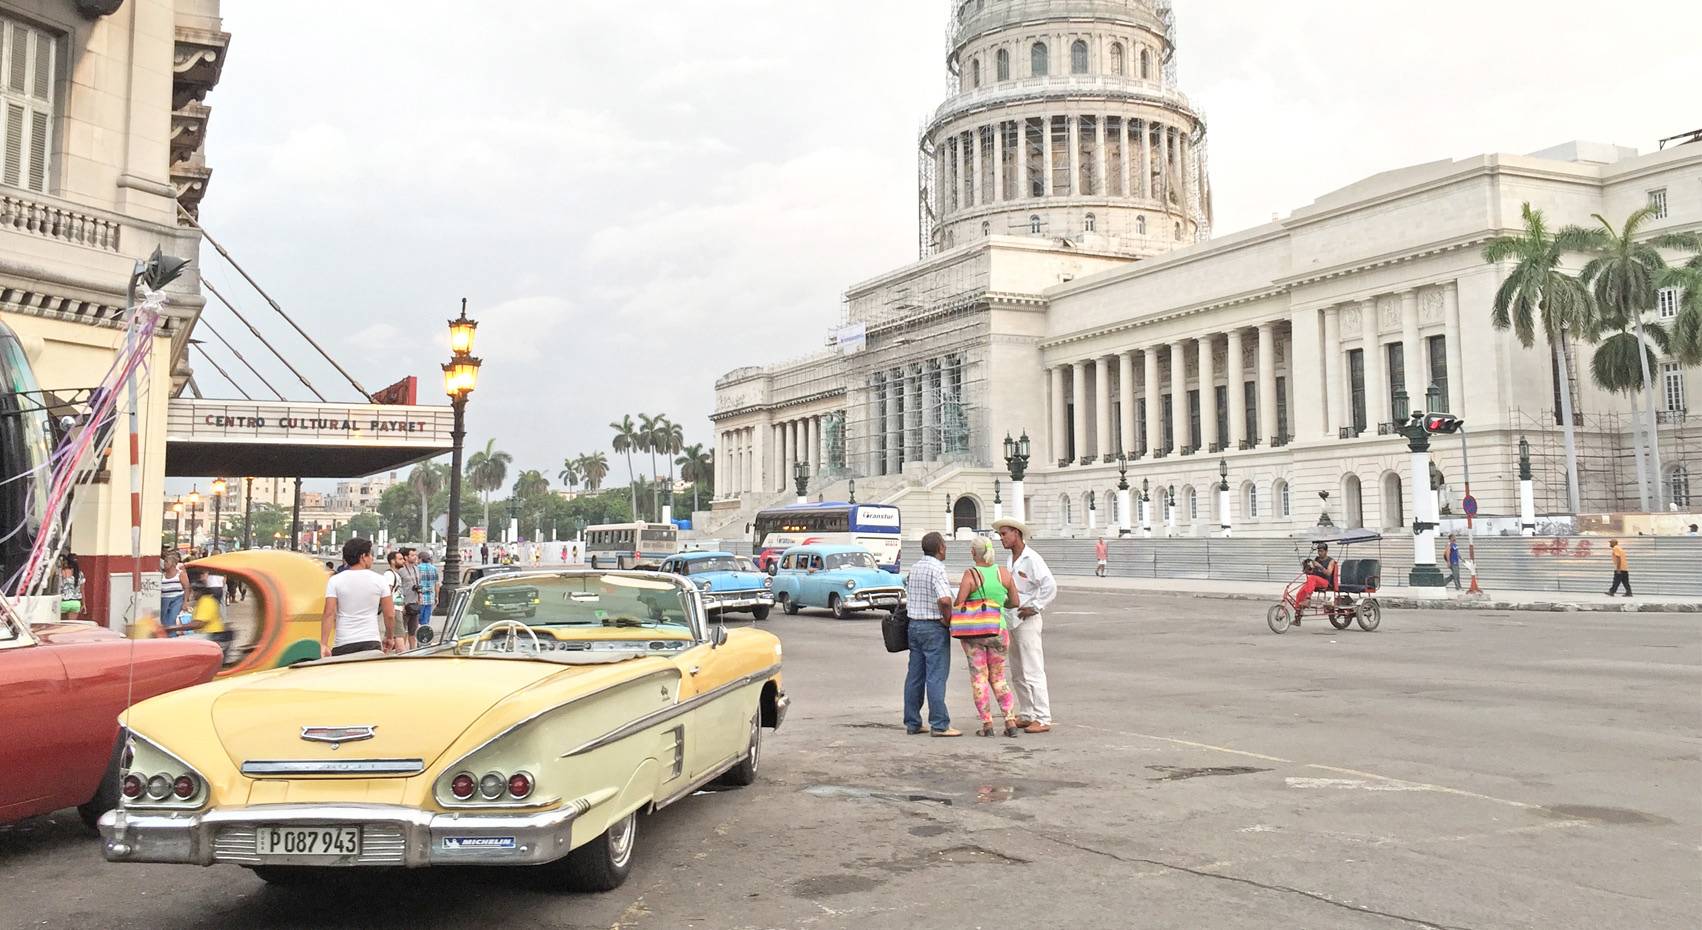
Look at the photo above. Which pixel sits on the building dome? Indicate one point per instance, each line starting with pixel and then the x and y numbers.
pixel 1065 123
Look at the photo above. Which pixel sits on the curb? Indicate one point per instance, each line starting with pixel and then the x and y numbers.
pixel 1398 602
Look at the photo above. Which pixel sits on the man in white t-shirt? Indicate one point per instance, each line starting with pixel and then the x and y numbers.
pixel 355 600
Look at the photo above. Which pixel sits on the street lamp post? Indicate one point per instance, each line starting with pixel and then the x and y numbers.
pixel 1424 572
pixel 1527 494
pixel 194 501
pixel 1170 511
pixel 801 480
pixel 1016 461
pixel 1146 508
pixel 1092 513
pixel 1123 514
pixel 176 524
pixel 247 512
pixel 1223 520
pixel 998 503
pixel 295 519
pixel 218 512
pixel 460 377
pixel 852 494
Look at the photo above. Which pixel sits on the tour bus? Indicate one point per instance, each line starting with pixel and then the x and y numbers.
pixel 26 441
pixel 875 527
pixel 625 545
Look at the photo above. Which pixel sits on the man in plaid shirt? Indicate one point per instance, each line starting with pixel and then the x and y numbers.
pixel 928 594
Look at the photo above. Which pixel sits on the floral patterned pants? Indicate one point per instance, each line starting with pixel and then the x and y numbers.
pixel 987 674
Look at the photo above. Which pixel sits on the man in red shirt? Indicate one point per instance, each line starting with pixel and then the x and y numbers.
pixel 1320 576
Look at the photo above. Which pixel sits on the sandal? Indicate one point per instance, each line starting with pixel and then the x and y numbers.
pixel 986 729
pixel 1011 727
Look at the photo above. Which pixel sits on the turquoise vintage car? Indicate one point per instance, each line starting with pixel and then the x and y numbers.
pixel 843 579
pixel 723 583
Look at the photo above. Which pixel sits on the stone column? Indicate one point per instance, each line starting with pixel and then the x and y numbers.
pixel 1208 395
pixel 999 162
pixel 1377 373
pixel 1146 167
pixel 1073 125
pixel 761 445
pixel 930 412
pixel 1456 352
pixel 913 413
pixel 980 184
pixel 1078 418
pixel 1236 393
pixel 1060 444
pixel 1105 448
pixel 1337 400
pixel 894 427
pixel 1267 390
pixel 1184 151
pixel 1046 156
pixel 1179 395
pixel 812 446
pixel 1126 400
pixel 1101 180
pixel 1154 416
pixel 1417 376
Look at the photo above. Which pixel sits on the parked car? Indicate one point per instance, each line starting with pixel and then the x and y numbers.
pixel 725 584
pixel 64 686
pixel 843 579
pixel 508 742
pixel 277 622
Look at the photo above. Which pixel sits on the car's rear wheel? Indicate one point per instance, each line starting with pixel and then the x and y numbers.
pixel 745 772
pixel 837 605
pixel 605 862
pixel 106 795
pixel 789 605
pixel 760 613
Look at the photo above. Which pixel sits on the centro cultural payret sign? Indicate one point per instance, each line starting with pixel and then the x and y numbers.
pixel 202 421
pixel 317 424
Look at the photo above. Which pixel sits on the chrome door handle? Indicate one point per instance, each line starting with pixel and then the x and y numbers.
pixel 695 670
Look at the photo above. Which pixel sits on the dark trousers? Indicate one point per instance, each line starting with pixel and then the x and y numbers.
pixel 346 649
pixel 1621 578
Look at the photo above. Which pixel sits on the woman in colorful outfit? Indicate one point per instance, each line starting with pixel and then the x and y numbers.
pixel 986 654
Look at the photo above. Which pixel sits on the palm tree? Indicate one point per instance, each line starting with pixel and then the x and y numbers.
pixel 1624 276
pixel 1687 329
pixel 626 440
pixel 487 469
pixel 593 468
pixel 531 483
pixel 673 439
pixel 426 480
pixel 1536 289
pixel 697 466
pixel 569 474
pixel 650 429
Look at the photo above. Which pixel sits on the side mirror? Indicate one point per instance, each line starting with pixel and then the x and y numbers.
pixel 718 636
pixel 424 635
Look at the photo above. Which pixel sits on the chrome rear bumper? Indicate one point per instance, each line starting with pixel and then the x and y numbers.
pixel 738 600
pixel 391 835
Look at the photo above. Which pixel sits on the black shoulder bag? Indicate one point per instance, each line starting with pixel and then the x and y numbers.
pixel 895 629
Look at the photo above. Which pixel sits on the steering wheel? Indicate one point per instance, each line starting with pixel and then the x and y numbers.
pixel 511 625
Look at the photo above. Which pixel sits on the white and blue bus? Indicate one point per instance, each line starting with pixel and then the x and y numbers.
pixel 875 527
pixel 625 545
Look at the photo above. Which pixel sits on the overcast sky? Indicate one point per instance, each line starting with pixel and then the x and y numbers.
pixel 638 197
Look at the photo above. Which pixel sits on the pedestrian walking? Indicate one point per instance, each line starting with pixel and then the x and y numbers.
pixel 408 579
pixel 360 612
pixel 1454 560
pixel 430 578
pixel 1621 568
pixel 928 596
pixel 988 655
pixel 1100 554
pixel 174 583
pixel 1036 588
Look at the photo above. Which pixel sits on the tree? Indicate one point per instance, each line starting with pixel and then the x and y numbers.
pixel 593 468
pixel 569 474
pixel 626 440
pixel 1624 277
pixel 487 470
pixel 1687 329
pixel 426 480
pixel 650 429
pixel 399 506
pixel 1536 290
pixel 265 521
pixel 696 466
pixel 672 439
pixel 365 524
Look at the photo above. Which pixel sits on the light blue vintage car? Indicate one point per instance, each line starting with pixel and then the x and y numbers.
pixel 725 582
pixel 843 579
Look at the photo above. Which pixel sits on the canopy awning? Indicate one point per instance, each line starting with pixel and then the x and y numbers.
pixel 243 438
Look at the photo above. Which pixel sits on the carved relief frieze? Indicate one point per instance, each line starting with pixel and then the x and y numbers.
pixel 1350 321
pixel 1430 305
pixel 1388 313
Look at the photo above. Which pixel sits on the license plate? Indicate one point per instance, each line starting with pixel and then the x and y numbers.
pixel 307 841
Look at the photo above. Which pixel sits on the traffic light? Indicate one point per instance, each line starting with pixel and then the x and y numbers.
pixel 1442 423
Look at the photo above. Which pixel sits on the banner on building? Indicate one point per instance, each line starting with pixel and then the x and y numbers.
pixel 851 338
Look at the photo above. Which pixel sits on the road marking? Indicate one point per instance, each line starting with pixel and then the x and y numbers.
pixel 1427 786
pixel 1190 744
pixel 1359 783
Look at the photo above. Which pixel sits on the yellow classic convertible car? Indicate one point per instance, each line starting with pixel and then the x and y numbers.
pixel 533 739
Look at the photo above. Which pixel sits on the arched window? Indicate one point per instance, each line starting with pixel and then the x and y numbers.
pixel 1034 224
pixel 1140 225
pixel 1064 509
pixel 986 229
pixel 1678 485
pixel 1115 506
pixel 1178 232
pixel 1078 57
pixel 1146 64
pixel 1279 491
pixel 975 71
pixel 1003 64
pixel 1252 501
pixel 1117 58
pixel 1089 223
pixel 1192 503
pixel 1037 63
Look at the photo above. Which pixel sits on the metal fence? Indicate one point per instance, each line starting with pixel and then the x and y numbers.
pixel 1668 566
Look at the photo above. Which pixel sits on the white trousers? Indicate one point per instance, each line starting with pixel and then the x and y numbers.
pixel 1028 671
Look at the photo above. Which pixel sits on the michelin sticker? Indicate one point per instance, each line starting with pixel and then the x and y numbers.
pixel 478 842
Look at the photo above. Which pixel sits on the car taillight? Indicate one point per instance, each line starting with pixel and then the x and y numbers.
pixel 462 785
pixel 519 785
pixel 131 786
pixel 490 786
pixel 158 787
pixel 184 787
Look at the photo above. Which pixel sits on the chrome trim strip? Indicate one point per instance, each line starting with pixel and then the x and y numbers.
pixel 673 673
pixel 334 767
pixel 665 714
pixel 715 771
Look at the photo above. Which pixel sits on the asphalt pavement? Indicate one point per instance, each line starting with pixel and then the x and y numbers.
pixel 1456 769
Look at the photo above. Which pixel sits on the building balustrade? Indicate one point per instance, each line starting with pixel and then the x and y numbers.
pixel 24 215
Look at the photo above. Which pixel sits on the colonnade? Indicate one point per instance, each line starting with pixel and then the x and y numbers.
pixel 760 459
pixel 908 406
pixel 1386 343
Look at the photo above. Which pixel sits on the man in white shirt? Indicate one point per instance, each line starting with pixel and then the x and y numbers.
pixel 1037 589
pixel 355 599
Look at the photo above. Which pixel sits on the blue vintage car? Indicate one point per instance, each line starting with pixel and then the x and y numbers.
pixel 724 582
pixel 843 579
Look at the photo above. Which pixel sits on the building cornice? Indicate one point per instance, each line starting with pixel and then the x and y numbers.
pixel 748 409
pixel 1058 90
pixel 1122 326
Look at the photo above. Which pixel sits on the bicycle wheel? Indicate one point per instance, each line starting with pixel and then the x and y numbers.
pixel 1279 617
pixel 1370 614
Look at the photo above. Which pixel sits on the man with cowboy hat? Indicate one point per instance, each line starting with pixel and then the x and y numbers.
pixel 1036 589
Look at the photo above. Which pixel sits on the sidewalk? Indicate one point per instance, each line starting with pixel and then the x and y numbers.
pixel 1395 598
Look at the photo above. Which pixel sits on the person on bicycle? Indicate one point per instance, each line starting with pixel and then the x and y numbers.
pixel 1320 576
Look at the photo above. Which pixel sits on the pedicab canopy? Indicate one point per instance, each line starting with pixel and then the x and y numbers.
pixel 1334 537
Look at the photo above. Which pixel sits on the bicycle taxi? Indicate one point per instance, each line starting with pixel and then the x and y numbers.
pixel 1342 589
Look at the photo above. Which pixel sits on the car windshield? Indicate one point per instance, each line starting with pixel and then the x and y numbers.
pixel 850 560
pixel 580 605
pixel 717 564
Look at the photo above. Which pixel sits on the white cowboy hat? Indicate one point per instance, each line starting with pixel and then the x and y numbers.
pixel 1017 525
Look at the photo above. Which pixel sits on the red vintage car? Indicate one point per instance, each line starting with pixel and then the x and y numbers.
pixel 62 687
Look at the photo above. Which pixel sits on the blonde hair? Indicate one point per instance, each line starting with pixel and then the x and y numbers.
pixel 981 550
